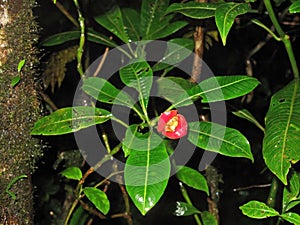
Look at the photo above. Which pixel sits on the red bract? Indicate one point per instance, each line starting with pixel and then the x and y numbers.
pixel 172 125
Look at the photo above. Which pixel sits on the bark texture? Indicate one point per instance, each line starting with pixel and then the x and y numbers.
pixel 19 109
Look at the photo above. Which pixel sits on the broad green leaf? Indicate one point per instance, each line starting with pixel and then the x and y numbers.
pixel 208 218
pixel 173 88
pixel 217 138
pixel 218 88
pixel 146 175
pixel 113 21
pixel 225 15
pixel 282 133
pixel 131 20
pixel 291 217
pixel 177 50
pixel 151 19
pixel 73 173
pixel 185 209
pixel 295 7
pixel 139 75
pixel 192 178
pixel 291 193
pixel 64 37
pixel 258 210
pixel 103 91
pixel 134 140
pixel 194 9
pixel 21 64
pixel 79 217
pixel 245 114
pixel 15 81
pixel 68 120
pixel 98 198
pixel 168 29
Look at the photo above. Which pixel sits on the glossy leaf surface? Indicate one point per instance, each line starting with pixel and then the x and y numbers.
pixel 194 9
pixel 291 193
pixel 146 174
pixel 113 21
pixel 217 138
pixel 185 209
pixel 291 217
pixel 139 75
pixel 295 7
pixel 73 173
pixel 131 20
pixel 174 88
pixel 282 133
pixel 177 50
pixel 64 37
pixel 152 12
pixel 98 198
pixel 68 120
pixel 258 210
pixel 225 15
pixel 103 91
pixel 192 178
pixel 218 88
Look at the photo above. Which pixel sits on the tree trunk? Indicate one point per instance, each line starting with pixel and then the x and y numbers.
pixel 19 109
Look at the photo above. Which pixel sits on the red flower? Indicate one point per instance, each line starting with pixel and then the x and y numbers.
pixel 172 125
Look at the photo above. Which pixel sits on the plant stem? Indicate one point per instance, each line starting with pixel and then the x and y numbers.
pixel 82 39
pixel 273 192
pixel 188 200
pixel 285 38
pixel 66 13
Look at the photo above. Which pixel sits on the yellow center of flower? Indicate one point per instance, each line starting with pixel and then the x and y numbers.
pixel 172 124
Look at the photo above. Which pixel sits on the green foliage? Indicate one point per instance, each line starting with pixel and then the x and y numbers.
pixel 217 138
pixel 280 145
pixel 73 173
pixel 147 162
pixel 98 198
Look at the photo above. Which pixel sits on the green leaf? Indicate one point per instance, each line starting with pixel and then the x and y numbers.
pixel 135 140
pixel 295 7
pixel 98 198
pixel 103 91
pixel 131 23
pixel 291 193
pixel 21 65
pixel 174 88
pixel 281 140
pixel 68 120
pixel 217 138
pixel 194 9
pixel 146 175
pixel 167 29
pixel 177 50
pixel 73 173
pixel 192 178
pixel 79 217
pixel 225 15
pixel 245 114
pixel 64 37
pixel 258 210
pixel 113 22
pixel 151 19
pixel 208 218
pixel 185 209
pixel 15 81
pixel 218 88
pixel 139 75
pixel 291 217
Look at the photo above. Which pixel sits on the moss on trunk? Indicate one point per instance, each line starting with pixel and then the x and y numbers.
pixel 19 109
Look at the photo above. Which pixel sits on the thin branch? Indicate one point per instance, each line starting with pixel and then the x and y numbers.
pixel 48 100
pixel 66 13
